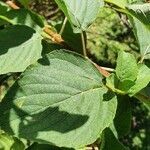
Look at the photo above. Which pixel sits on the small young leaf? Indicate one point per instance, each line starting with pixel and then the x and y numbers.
pixel 8 142
pixel 125 85
pixel 142 81
pixel 80 13
pixel 20 46
pixel 117 86
pixel 62 97
pixel 112 83
pixel 127 68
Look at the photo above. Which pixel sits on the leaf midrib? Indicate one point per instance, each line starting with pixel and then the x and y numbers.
pixel 63 100
pixel 97 88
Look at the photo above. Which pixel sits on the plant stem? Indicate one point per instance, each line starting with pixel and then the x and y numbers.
pixel 83 44
pixel 12 4
pixel 55 37
pixel 108 69
pixel 103 70
pixel 115 90
pixel 63 26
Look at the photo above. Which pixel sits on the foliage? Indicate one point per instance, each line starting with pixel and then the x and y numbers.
pixel 109 34
pixel 61 99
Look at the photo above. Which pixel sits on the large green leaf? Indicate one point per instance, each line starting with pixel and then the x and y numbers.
pixel 20 46
pixel 127 68
pixel 60 101
pixel 80 13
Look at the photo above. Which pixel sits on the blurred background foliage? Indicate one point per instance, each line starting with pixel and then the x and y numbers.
pixel 110 33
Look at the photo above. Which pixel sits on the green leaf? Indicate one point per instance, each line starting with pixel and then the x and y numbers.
pixel 127 68
pixel 141 25
pixel 126 73
pixel 144 96
pixel 80 13
pixel 62 97
pixel 10 143
pixel 141 12
pixel 23 17
pixel 125 85
pixel 109 141
pixel 142 33
pixel 113 83
pixel 122 121
pixel 20 46
pixel 120 3
pixel 142 81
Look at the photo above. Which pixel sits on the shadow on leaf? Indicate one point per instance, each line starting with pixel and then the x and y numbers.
pixel 14 36
pixel 16 121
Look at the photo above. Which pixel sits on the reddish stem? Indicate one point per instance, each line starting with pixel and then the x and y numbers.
pixel 12 4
